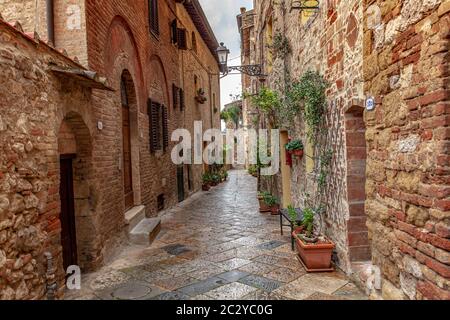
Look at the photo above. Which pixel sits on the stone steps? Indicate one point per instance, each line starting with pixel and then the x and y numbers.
pixel 145 232
pixel 141 230
pixel 134 216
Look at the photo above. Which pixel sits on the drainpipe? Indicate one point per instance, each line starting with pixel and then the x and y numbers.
pixel 50 22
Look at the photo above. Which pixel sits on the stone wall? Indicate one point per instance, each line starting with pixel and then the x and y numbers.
pixel 330 42
pixel 406 69
pixel 34 103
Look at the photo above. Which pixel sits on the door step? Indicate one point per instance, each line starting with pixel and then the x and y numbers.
pixel 145 232
pixel 134 216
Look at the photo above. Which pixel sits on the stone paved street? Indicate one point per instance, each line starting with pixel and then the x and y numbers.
pixel 215 245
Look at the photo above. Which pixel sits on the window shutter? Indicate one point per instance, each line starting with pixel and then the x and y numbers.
pixel 181 99
pixel 165 127
pixel 174 31
pixel 153 16
pixel 153 124
pixel 175 95
pixel 182 39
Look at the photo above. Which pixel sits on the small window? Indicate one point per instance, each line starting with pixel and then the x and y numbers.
pixel 190 177
pixel 160 202
pixel 175 95
pixel 153 16
pixel 181 39
pixel 194 42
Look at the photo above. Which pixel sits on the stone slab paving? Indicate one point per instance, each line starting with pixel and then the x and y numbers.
pixel 215 245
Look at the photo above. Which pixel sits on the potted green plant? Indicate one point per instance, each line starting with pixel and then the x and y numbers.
pixel 293 216
pixel 295 147
pixel 314 249
pixel 206 181
pixel 253 170
pixel 263 207
pixel 272 202
pixel 201 96
pixel 215 179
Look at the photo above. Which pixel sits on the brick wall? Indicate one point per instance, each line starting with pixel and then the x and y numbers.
pixel 406 69
pixel 119 43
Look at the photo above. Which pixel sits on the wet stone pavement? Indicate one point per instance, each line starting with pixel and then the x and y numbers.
pixel 215 245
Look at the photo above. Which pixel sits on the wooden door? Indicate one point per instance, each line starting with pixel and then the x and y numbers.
pixel 127 173
pixel 180 181
pixel 67 216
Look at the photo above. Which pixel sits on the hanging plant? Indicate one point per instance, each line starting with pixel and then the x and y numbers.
pixel 268 102
pixel 310 90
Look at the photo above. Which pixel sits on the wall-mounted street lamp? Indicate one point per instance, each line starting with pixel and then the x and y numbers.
pixel 253 70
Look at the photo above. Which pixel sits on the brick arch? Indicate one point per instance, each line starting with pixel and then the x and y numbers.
pixel 159 75
pixel 74 138
pixel 121 52
pixel 356 154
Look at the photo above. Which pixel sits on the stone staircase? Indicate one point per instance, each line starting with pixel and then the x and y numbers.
pixel 141 230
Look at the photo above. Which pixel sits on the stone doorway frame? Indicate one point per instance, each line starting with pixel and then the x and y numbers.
pixel 359 249
pixel 74 139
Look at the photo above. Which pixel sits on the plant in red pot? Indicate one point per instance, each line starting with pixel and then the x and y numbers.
pixel 263 207
pixel 295 147
pixel 314 249
pixel 272 202
pixel 206 181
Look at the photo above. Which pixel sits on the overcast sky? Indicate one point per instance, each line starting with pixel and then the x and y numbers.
pixel 222 17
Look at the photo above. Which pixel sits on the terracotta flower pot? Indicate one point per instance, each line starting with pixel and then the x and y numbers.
pixel 205 187
pixel 275 210
pixel 298 153
pixel 315 256
pixel 263 207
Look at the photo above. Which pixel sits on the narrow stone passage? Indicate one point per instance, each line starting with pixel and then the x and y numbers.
pixel 216 245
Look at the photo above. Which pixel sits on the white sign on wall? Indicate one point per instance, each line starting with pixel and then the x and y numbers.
pixel 370 103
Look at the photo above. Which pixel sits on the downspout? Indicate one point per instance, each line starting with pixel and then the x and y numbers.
pixel 50 21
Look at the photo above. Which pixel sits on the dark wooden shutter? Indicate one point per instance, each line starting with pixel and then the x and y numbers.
pixel 181 99
pixel 175 96
pixel 182 39
pixel 165 127
pixel 174 31
pixel 153 16
pixel 153 115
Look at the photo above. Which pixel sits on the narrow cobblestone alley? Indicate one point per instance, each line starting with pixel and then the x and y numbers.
pixel 215 245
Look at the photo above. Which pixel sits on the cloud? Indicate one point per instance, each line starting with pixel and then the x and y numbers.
pixel 222 17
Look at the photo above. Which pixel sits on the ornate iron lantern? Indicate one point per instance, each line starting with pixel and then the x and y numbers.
pixel 254 70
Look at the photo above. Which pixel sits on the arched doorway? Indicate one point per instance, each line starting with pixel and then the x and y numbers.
pixel 358 242
pixel 77 200
pixel 129 140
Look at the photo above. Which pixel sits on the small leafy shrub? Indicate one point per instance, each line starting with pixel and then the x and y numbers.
pixel 294 145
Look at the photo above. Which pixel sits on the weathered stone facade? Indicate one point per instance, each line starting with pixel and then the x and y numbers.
pixel 330 42
pixel 47 115
pixel 406 69
pixel 387 195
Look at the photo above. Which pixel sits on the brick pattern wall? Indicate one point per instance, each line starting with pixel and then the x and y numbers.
pixel 406 69
pixel 118 41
